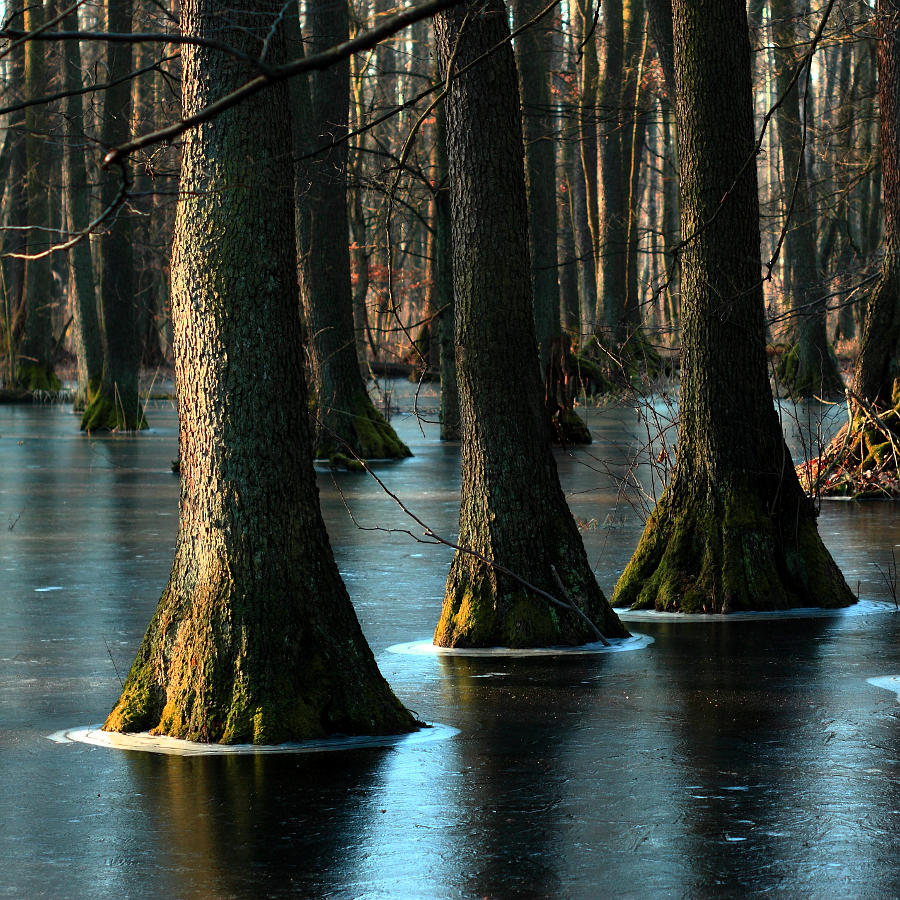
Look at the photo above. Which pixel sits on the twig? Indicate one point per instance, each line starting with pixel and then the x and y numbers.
pixel 114 664
pixel 429 533
pixel 565 593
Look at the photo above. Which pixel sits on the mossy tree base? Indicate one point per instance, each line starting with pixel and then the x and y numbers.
pixel 560 389
pixel 320 682
pixel 85 395
pixel 484 607
pixel 475 615
pixel 611 366
pixel 863 459
pixel 357 431
pixel 799 376
pixel 569 428
pixel 33 377
pixel 722 553
pixel 113 411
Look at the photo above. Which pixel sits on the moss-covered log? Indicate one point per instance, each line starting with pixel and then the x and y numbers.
pixel 513 512
pixel 255 638
pixel 733 531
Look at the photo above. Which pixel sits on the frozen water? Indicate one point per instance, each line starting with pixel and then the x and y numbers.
pixel 576 776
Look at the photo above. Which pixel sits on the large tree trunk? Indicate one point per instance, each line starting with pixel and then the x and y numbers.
pixel 809 367
pixel 513 512
pixel 862 460
pixel 733 530
pixel 623 134
pixel 117 405
pixel 876 366
pixel 15 211
pixel 588 82
pixel 83 298
pixel 255 638
pixel 534 48
pixel 443 250
pixel 35 369
pixel 349 424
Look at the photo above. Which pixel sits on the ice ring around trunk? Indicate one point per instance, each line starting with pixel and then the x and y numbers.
pixel 861 608
pixel 616 645
pixel 154 743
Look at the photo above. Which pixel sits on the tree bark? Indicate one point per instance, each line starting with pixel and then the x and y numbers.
pixel 117 405
pixel 808 368
pixel 876 365
pixel 534 47
pixel 349 424
pixel 83 298
pixel 588 81
pixel 513 512
pixel 443 248
pixel 733 530
pixel 34 370
pixel 255 638
pixel 15 208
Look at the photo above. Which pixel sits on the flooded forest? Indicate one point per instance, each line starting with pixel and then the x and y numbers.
pixel 449 449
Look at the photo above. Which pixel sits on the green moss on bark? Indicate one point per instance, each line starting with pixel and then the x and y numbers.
pixel 487 609
pixel 798 379
pixel 85 395
pixel 362 431
pixel 727 554
pixel 569 428
pixel 33 377
pixel 111 412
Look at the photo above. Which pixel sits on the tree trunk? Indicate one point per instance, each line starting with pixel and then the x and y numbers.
pixel 443 249
pixel 15 209
pixel 534 48
pixel 349 424
pixel 808 368
pixel 613 211
pixel 117 405
pixel 876 366
pixel 255 638
pixel 83 297
pixel 513 512
pixel 35 368
pixel 733 530
pixel 588 79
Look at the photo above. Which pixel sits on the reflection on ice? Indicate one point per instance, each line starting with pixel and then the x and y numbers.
pixel 616 645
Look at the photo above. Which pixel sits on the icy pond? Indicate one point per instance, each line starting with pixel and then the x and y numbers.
pixel 727 758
